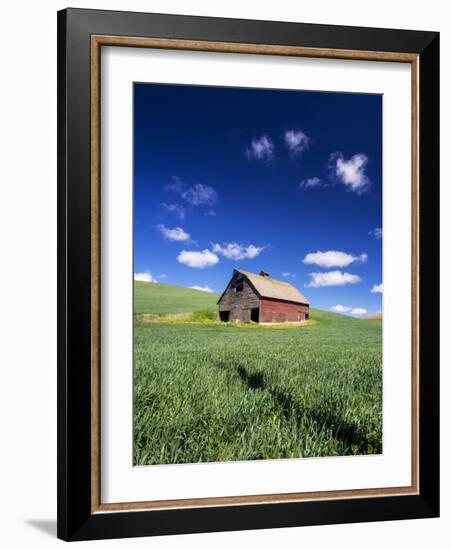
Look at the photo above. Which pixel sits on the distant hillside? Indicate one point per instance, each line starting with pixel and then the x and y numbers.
pixel 161 298
pixel 375 317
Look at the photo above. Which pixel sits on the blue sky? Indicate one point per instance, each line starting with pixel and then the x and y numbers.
pixel 288 182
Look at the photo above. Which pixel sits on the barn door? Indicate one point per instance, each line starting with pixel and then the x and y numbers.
pixel 224 316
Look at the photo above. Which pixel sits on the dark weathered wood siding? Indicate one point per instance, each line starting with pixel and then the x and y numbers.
pixel 273 311
pixel 241 303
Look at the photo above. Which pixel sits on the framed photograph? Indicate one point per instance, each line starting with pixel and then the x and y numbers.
pixel 248 274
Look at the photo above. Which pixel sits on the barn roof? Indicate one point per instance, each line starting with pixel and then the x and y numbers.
pixel 271 288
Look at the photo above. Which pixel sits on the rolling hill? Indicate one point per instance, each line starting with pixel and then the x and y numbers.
pixel 161 299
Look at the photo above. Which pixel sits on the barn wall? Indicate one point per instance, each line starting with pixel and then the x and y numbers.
pixel 239 303
pixel 272 311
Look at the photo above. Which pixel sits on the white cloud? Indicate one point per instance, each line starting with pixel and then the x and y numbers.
pixel 199 260
pixel 200 194
pixel 261 148
pixel 235 251
pixel 177 185
pixel 346 309
pixel 332 278
pixel 195 195
pixel 350 172
pixel 333 258
pixel 310 182
pixel 340 309
pixel 144 277
pixel 201 288
pixel 162 276
pixel 296 141
pixel 177 209
pixel 288 274
pixel 175 234
pixel 376 233
pixel 378 289
pixel 211 213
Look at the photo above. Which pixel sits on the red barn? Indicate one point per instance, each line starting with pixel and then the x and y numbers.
pixel 257 298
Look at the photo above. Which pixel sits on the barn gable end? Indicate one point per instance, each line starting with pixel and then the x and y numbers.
pixel 239 299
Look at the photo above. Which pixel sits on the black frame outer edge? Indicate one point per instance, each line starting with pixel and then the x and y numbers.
pixel 75 521
pixel 430 273
pixel 61 280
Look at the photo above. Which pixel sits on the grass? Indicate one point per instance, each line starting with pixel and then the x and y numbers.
pixel 209 391
pixel 162 299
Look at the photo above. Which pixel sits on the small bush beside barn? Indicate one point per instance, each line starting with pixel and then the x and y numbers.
pixel 251 297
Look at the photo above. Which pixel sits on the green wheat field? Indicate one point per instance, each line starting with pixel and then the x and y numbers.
pixel 206 391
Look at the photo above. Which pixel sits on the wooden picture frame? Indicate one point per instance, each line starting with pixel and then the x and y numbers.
pixel 81 35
